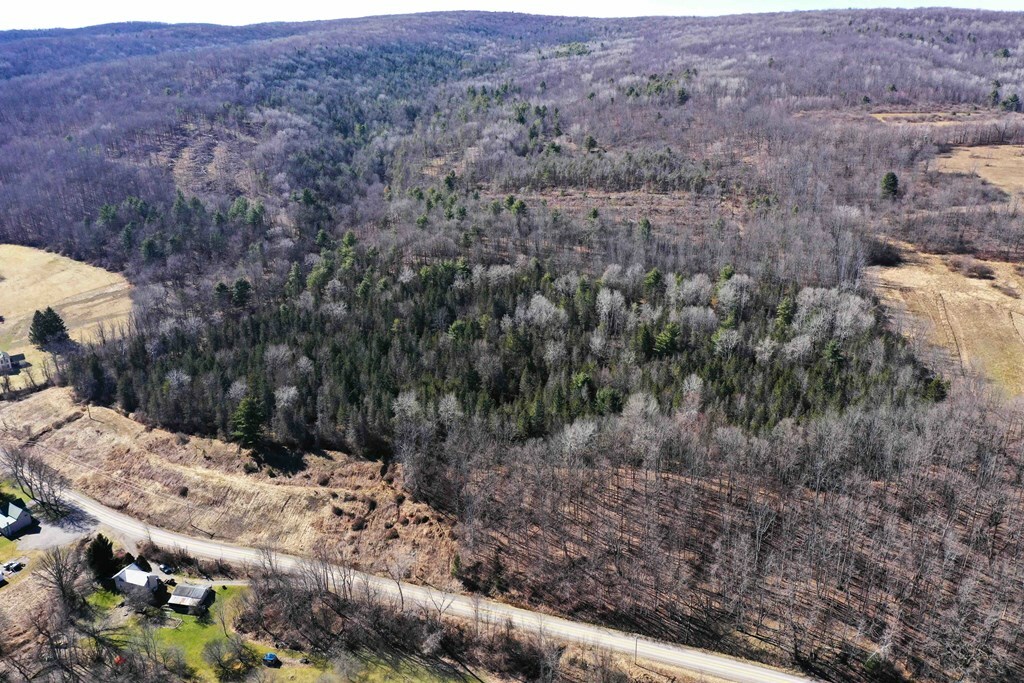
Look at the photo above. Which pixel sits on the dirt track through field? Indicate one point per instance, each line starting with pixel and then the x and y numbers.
pixel 972 319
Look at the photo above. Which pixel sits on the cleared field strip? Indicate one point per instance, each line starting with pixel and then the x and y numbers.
pixel 1000 165
pixel 975 322
pixel 86 297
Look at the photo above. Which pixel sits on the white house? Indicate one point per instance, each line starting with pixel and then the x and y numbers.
pixel 14 517
pixel 133 578
pixel 6 367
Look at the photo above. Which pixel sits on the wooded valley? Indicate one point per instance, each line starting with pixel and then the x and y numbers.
pixel 596 289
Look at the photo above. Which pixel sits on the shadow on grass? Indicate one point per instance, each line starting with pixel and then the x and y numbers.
pixel 284 460
pixel 66 515
pixel 402 662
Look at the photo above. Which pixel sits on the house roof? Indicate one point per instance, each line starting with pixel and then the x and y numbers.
pixel 187 595
pixel 135 576
pixel 11 511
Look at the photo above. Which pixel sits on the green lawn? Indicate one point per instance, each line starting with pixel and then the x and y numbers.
pixel 404 670
pixel 8 549
pixel 104 599
pixel 7 488
pixel 193 633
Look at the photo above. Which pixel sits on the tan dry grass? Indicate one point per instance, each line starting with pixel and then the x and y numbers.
pixel 933 118
pixel 1000 165
pixel 143 471
pixel 29 596
pixel 976 321
pixel 85 296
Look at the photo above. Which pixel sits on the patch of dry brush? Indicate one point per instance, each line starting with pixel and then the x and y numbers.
pixel 200 487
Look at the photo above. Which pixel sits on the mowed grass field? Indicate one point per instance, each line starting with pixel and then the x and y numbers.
pixel 980 326
pixel 85 296
pixel 999 165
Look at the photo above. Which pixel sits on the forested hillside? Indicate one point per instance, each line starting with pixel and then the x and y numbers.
pixel 596 286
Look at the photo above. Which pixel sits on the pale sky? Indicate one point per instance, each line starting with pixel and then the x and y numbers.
pixel 74 13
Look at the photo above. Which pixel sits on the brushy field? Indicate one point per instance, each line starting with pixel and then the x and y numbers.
pixel 979 322
pixel 86 297
pixel 1000 165
pixel 201 487
pixel 932 118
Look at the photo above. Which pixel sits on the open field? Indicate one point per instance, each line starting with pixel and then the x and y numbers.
pixel 1000 165
pixel 85 296
pixel 934 118
pixel 198 486
pixel 979 325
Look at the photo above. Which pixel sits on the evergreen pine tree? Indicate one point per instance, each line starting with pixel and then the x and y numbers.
pixel 890 185
pixel 223 293
pixel 783 316
pixel 241 293
pixel 47 328
pixel 37 332
pixel 247 422
pixel 665 342
pixel 99 555
pixel 645 229
pixel 55 326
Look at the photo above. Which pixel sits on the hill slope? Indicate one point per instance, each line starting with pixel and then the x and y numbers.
pixel 593 290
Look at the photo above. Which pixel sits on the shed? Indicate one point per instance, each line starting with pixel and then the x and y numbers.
pixel 14 516
pixel 189 598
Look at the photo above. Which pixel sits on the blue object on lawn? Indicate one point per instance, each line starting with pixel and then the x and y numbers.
pixel 270 658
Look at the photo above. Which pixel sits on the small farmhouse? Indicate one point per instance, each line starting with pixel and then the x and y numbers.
pixel 132 578
pixel 191 599
pixel 6 366
pixel 14 517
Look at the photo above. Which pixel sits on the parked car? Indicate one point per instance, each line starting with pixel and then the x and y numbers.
pixel 270 659
pixel 167 569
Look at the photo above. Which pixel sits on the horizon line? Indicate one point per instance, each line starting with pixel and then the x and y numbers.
pixel 285 22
